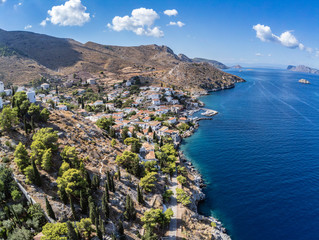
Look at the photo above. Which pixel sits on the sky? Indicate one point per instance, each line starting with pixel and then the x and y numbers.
pixel 250 33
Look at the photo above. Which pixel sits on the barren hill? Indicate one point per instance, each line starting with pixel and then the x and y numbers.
pixel 26 55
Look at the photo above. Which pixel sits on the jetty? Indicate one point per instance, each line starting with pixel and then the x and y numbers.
pixel 209 112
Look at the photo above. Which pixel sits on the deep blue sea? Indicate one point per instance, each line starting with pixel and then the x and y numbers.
pixel 260 156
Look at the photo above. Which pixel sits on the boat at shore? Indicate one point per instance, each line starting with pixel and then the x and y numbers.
pixel 209 112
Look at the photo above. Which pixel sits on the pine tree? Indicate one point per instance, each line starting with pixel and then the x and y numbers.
pixel 139 195
pixel 72 208
pixel 49 209
pixel 36 174
pixel 71 232
pixel 47 160
pixel 83 202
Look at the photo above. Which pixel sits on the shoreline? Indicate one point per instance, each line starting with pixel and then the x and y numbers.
pixel 198 182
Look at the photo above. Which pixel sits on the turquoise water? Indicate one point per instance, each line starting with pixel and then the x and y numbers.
pixel 260 156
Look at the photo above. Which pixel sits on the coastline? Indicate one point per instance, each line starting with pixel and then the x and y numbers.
pixel 197 183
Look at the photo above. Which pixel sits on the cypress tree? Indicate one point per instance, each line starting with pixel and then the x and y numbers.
pixel 119 174
pixel 120 228
pixel 36 174
pixel 102 227
pixel 113 237
pixel 130 212
pixel 32 123
pixel 109 181
pixel 56 89
pixel 63 196
pixel 105 206
pixel 82 102
pixel 88 179
pixel 92 211
pixel 71 232
pixel 112 182
pixel 83 202
pixel 107 195
pixel 72 208
pixel 139 195
pixel 49 209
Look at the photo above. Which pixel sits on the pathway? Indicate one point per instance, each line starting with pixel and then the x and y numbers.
pixel 173 226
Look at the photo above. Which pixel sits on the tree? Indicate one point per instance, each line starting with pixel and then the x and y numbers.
pixel 93 213
pixel 105 206
pixel 72 208
pixel 34 111
pixel 95 182
pixel 63 168
pixel 47 160
pixel 72 182
pixel 16 195
pixel 83 202
pixel 102 227
pixel 107 195
pixel 155 218
pixel 44 115
pixel 166 196
pixel 130 212
pixel 113 142
pixel 37 151
pixel 112 132
pixel 70 155
pixel 120 228
pixel 124 133
pixel 85 227
pixel 49 209
pixel 131 162
pixel 20 234
pixel 119 174
pixel 182 197
pixel 105 123
pixel 37 178
pixel 21 157
pixel 38 217
pixel 71 232
pixel 54 231
pixel 48 137
pixel 140 198
pixel 181 179
pixel 148 182
pixel 134 143
pixel 8 118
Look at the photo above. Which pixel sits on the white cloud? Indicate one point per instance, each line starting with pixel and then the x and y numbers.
pixel 178 23
pixel 71 13
pixel 269 55
pixel 286 39
pixel 3 1
pixel 258 54
pixel 140 22
pixel 28 27
pixel 15 6
pixel 171 12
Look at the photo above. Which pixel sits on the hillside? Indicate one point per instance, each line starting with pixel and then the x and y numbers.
pixel 25 56
pixel 201 75
pixel 212 62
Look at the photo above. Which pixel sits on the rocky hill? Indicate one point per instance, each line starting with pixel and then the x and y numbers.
pixel 200 75
pixel 24 56
pixel 212 62
pixel 302 68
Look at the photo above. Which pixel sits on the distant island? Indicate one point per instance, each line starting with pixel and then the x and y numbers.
pixel 237 66
pixel 302 68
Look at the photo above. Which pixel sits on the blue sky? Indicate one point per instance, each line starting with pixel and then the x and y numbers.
pixel 246 32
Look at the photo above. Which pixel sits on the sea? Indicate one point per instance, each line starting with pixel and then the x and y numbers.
pixel 260 156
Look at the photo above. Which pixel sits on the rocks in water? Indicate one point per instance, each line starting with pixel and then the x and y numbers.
pixel 304 81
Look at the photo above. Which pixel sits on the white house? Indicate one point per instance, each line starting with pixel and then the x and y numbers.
pixel 175 101
pixel 98 102
pixel 45 86
pixel 8 92
pixel 156 102
pixel 0 103
pixel 31 96
pixel 91 81
pixel 172 120
pixel 1 87
pixel 169 98
pixel 62 107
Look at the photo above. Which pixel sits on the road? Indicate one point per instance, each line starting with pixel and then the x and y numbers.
pixel 173 226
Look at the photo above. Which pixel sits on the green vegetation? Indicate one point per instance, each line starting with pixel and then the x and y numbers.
pixel 105 123
pixel 8 118
pixel 131 162
pixel 181 179
pixel 21 157
pixel 167 195
pixel 148 182
pixel 134 143
pixel 182 197
pixel 155 218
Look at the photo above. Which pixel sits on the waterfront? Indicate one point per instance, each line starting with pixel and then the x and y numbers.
pixel 259 156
